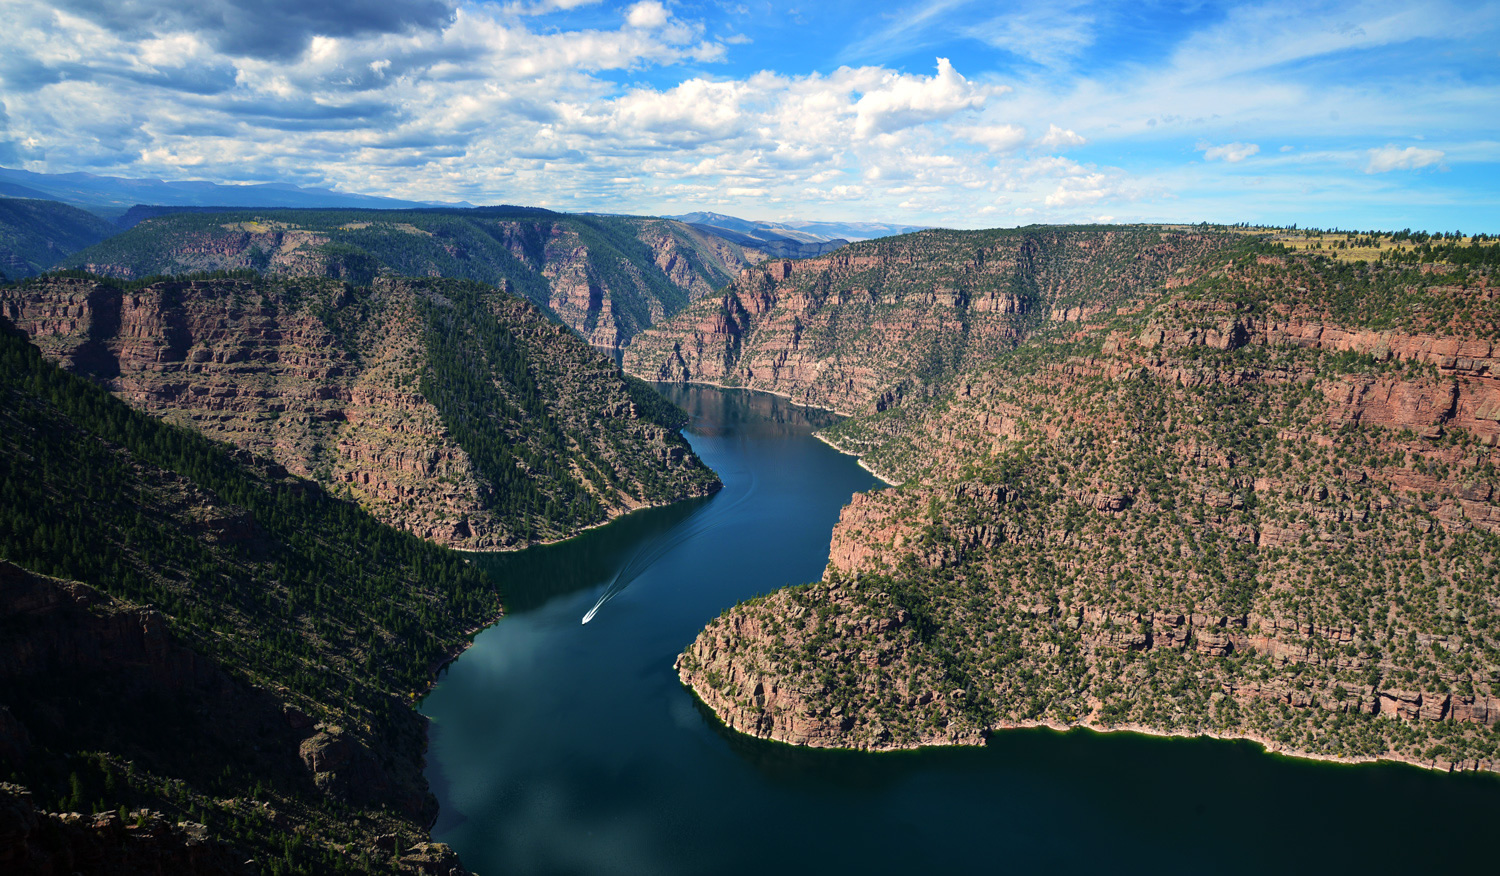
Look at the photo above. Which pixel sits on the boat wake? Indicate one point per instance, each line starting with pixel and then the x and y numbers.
pixel 704 520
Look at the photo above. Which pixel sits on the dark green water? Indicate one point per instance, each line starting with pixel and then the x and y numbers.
pixel 559 747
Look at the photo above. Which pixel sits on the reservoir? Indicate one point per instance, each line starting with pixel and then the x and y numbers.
pixel 564 747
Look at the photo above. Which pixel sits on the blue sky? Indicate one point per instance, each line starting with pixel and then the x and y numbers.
pixel 964 114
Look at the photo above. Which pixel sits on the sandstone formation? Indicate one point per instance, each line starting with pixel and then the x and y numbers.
pixel 859 329
pixel 327 380
pixel 1259 500
pixel 605 277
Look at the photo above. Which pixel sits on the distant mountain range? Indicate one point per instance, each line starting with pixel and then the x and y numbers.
pixel 798 230
pixel 112 196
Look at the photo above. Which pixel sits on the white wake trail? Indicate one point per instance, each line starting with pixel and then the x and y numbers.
pixel 652 551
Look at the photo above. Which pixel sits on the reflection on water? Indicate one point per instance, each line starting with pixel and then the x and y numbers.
pixel 720 411
pixel 531 577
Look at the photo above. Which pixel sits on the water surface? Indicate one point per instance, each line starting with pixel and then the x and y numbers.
pixel 562 747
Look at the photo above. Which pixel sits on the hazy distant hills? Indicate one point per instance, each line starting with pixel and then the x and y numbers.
pixel 799 230
pixel 111 196
pixel 35 234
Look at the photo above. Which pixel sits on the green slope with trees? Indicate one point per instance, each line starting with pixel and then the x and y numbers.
pixel 303 604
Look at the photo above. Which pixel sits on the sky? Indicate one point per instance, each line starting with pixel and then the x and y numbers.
pixel 946 112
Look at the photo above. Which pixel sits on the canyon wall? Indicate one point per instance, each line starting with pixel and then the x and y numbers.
pixel 326 379
pixel 607 278
pixel 1233 505
pixel 858 329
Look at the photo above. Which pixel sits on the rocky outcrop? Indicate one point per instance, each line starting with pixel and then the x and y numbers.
pixel 1461 391
pixel 56 627
pixel 144 842
pixel 1215 509
pixel 860 328
pixel 326 380
pixel 732 666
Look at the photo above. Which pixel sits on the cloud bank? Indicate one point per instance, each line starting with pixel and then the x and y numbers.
pixel 657 106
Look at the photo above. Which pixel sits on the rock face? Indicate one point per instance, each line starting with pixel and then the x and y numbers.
pixel 861 328
pixel 605 277
pixel 233 618
pixel 34 841
pixel 1246 503
pixel 57 627
pixel 328 379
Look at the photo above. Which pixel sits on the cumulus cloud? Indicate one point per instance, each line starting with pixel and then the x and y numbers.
pixel 646 14
pixel 1233 153
pixel 623 108
pixel 1390 157
pixel 996 138
pixel 1059 138
pixel 902 101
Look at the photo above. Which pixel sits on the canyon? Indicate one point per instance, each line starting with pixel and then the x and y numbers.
pixel 328 380
pixel 606 277
pixel 1253 496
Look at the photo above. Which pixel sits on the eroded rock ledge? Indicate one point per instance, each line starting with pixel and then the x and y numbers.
pixel 1184 515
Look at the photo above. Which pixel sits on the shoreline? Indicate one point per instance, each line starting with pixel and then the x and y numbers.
pixel 883 478
pixel 1267 746
pixel 592 526
pixel 746 389
pixel 859 460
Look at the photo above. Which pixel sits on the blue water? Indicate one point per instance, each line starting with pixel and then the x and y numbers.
pixel 564 747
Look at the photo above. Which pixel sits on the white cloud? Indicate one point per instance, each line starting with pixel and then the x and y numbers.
pixel 1059 138
pixel 623 109
pixel 1233 153
pixel 647 14
pixel 1391 157
pixel 901 101
pixel 996 138
pixel 1049 33
pixel 556 5
pixel 1080 190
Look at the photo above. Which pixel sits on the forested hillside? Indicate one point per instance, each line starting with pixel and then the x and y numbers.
pixel 447 408
pixel 241 652
pixel 1258 498
pixel 36 234
pixel 607 277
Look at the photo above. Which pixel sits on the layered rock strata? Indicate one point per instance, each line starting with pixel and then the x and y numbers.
pixel 857 330
pixel 605 277
pixel 326 379
pixel 1233 506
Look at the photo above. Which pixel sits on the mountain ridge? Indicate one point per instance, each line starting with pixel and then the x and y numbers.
pixel 447 408
pixel 1254 497
pixel 605 277
pixel 111 195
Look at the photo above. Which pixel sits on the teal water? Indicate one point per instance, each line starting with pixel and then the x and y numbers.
pixel 563 747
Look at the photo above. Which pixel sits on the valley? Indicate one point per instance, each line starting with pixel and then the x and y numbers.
pixel 1184 481
pixel 1254 496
